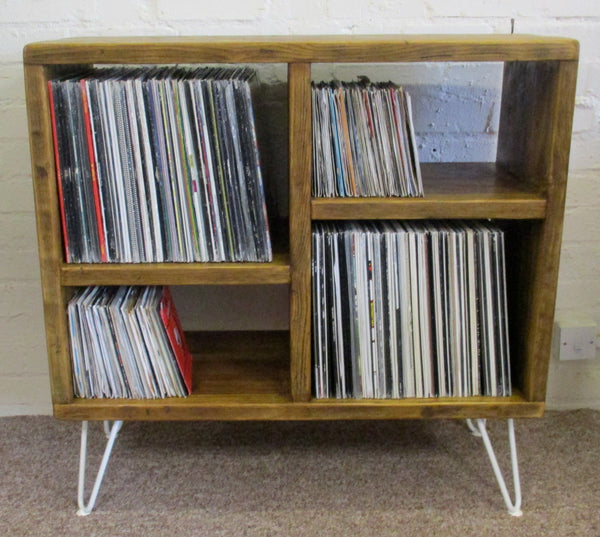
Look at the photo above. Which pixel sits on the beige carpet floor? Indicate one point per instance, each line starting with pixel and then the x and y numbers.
pixel 427 478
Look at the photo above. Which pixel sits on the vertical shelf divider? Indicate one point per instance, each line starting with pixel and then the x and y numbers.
pixel 300 159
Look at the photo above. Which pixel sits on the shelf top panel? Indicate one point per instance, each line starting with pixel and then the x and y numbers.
pixel 283 49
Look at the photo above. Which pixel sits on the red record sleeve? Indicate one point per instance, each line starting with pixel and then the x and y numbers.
pixel 170 319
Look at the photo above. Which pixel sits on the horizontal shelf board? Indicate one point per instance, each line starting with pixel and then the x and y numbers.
pixel 386 48
pixel 452 190
pixel 276 272
pixel 276 407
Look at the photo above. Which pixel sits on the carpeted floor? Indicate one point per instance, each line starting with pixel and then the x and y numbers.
pixel 373 479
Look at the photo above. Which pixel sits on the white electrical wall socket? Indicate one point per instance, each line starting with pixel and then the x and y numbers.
pixel 575 338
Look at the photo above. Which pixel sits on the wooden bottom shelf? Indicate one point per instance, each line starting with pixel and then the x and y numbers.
pixel 245 376
pixel 276 407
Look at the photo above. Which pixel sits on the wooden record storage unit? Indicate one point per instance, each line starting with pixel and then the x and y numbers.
pixel 267 375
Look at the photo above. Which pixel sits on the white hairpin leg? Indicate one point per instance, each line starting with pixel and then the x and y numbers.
pixel 111 435
pixel 481 431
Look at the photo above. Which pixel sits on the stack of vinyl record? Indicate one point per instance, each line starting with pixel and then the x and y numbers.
pixel 159 164
pixel 127 342
pixel 363 141
pixel 409 310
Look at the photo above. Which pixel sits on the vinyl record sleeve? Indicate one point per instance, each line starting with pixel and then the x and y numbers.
pixel 176 337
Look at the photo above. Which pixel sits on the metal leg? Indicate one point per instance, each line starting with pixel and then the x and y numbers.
pixel 111 433
pixel 513 508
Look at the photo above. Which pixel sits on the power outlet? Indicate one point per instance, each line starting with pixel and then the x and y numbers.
pixel 575 339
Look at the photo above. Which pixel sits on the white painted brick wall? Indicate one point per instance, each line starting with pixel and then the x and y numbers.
pixel 223 10
pixel 23 368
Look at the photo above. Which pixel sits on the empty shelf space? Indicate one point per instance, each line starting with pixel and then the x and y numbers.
pixel 452 190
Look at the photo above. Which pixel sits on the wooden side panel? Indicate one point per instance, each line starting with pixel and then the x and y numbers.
pixel 300 246
pixel 526 119
pixel 534 142
pixel 49 232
